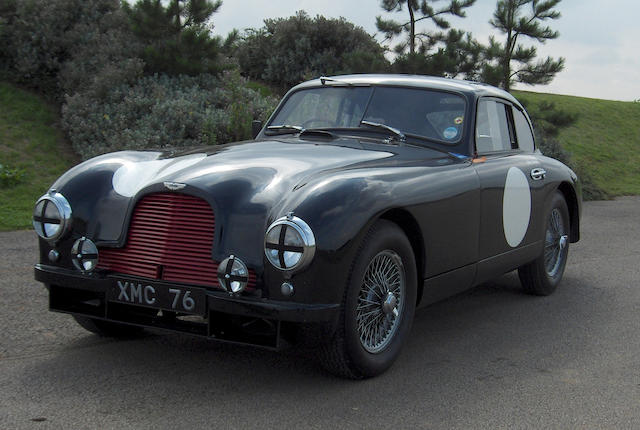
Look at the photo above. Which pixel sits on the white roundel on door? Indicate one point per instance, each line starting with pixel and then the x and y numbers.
pixel 516 206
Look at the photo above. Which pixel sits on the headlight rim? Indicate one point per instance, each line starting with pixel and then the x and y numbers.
pixel 64 211
pixel 308 240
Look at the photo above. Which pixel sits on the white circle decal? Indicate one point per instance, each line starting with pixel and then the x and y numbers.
pixel 516 206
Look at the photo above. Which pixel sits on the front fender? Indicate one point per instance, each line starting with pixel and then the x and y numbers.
pixel 340 206
pixel 339 211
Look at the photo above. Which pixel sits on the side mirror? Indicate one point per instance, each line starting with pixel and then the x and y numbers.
pixel 256 126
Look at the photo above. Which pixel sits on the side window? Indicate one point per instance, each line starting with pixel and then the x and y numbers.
pixel 523 131
pixel 492 129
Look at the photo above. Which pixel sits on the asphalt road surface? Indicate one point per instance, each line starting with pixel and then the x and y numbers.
pixel 492 358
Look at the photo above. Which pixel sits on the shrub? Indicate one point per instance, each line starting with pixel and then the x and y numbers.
pixel 550 147
pixel 590 190
pixel 8 9
pixel 38 45
pixel 105 54
pixel 548 120
pixel 10 177
pixel 287 51
pixel 66 46
pixel 163 111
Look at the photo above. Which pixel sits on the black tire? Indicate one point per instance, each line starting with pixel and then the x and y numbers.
pixel 542 276
pixel 108 328
pixel 355 351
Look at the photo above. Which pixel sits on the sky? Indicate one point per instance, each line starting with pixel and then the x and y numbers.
pixel 599 40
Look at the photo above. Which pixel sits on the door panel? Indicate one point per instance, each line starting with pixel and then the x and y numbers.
pixel 448 218
pixel 511 200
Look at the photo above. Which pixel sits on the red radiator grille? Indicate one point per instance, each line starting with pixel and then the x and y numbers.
pixel 170 238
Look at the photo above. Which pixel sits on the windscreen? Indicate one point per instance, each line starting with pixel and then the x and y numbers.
pixel 431 114
pixel 332 107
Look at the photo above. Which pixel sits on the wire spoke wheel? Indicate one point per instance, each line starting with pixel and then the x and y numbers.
pixel 380 301
pixel 378 305
pixel 542 275
pixel 555 243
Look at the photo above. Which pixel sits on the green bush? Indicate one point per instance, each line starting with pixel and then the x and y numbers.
pixel 105 53
pixel 164 111
pixel 548 120
pixel 41 36
pixel 287 51
pixel 8 9
pixel 84 53
pixel 10 177
pixel 65 46
pixel 38 45
pixel 550 147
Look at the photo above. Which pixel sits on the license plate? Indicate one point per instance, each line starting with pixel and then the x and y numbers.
pixel 187 300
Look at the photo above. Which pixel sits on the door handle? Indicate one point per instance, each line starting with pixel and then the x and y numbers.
pixel 538 173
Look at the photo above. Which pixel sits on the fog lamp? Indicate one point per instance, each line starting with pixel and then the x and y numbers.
pixel 233 274
pixel 84 255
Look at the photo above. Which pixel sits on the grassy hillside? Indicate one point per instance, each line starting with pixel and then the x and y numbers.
pixel 33 149
pixel 605 140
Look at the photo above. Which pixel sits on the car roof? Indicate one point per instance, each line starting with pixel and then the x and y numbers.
pixel 418 81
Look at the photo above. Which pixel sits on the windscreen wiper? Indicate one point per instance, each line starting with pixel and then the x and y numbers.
pixel 423 143
pixel 397 133
pixel 285 128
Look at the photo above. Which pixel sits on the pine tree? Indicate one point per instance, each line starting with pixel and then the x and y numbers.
pixel 176 37
pixel 509 62
pixel 419 10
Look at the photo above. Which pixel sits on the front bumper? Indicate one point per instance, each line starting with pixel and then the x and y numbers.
pixel 86 295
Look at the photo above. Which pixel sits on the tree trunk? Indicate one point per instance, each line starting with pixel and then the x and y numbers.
pixel 412 32
pixel 510 45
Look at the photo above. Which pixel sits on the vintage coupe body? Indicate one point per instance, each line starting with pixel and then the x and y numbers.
pixel 363 197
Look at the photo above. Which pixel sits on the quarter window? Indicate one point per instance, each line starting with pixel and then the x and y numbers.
pixel 523 131
pixel 492 129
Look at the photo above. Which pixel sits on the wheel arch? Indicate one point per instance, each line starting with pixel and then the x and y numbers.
pixel 408 224
pixel 571 198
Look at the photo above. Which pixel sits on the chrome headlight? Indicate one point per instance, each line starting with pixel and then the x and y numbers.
pixel 52 216
pixel 289 243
